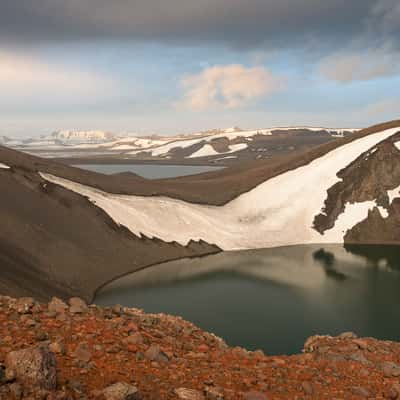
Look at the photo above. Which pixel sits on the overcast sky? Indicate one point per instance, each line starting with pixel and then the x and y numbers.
pixel 169 66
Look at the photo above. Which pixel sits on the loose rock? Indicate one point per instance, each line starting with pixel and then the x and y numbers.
pixel 121 391
pixel 189 394
pixel 34 366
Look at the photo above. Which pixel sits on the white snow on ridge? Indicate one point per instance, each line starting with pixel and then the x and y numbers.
pixel 206 150
pixel 4 166
pixel 277 212
pixel 393 194
pixel 233 148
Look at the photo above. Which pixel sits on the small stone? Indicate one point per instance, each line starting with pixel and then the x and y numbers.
pixel 307 388
pixel 359 357
pixel 135 338
pixel 154 353
pixel 348 335
pixel 10 375
pixel 30 322
pixel 189 394
pixel 77 305
pixel 253 395
pixel 390 393
pixel 393 391
pixel 16 391
pixel 56 305
pixel 34 366
pixel 213 393
pixel 360 391
pixel 82 353
pixel 121 391
pixel 57 347
pixel 361 343
pixel 41 336
pixel 390 369
pixel 24 305
pixel 117 309
pixel 203 348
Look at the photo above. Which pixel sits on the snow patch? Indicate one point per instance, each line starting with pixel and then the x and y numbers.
pixel 4 166
pixel 205 151
pixel 233 148
pixel 397 144
pixel 278 212
pixel 393 194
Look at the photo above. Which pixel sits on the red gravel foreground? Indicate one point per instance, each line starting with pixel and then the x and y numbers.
pixel 165 357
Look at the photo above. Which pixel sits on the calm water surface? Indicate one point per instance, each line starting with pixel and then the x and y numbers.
pixel 274 299
pixel 148 171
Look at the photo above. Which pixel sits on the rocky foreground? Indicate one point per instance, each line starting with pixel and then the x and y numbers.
pixel 60 351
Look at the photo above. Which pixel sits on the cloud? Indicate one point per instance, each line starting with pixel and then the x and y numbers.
pixel 261 23
pixel 22 76
pixel 360 65
pixel 227 86
pixel 386 15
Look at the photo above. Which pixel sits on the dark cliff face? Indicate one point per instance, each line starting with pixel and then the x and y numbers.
pixel 368 178
pixel 376 229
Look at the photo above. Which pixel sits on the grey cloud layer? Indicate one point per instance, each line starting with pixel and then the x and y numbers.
pixel 288 23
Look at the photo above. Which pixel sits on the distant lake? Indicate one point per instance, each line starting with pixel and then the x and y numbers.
pixel 149 171
pixel 273 299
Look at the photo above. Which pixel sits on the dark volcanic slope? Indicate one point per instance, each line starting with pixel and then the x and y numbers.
pixel 54 242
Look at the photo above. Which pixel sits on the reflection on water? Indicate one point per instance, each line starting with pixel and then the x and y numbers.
pixel 274 299
pixel 148 171
pixel 327 260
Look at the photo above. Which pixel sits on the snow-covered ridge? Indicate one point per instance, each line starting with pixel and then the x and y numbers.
pixel 278 212
pixel 229 134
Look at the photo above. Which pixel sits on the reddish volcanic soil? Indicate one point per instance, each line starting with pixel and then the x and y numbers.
pixel 165 357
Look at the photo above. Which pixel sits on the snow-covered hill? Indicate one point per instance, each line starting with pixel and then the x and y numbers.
pixel 280 211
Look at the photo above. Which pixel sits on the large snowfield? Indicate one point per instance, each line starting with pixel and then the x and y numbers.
pixel 277 212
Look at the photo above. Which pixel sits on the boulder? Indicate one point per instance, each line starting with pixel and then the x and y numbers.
pixel 33 367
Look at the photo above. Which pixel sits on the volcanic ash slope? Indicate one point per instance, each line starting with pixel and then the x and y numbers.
pixel 280 211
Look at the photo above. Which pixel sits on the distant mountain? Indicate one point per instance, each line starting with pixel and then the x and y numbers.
pixel 226 146
pixel 82 136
